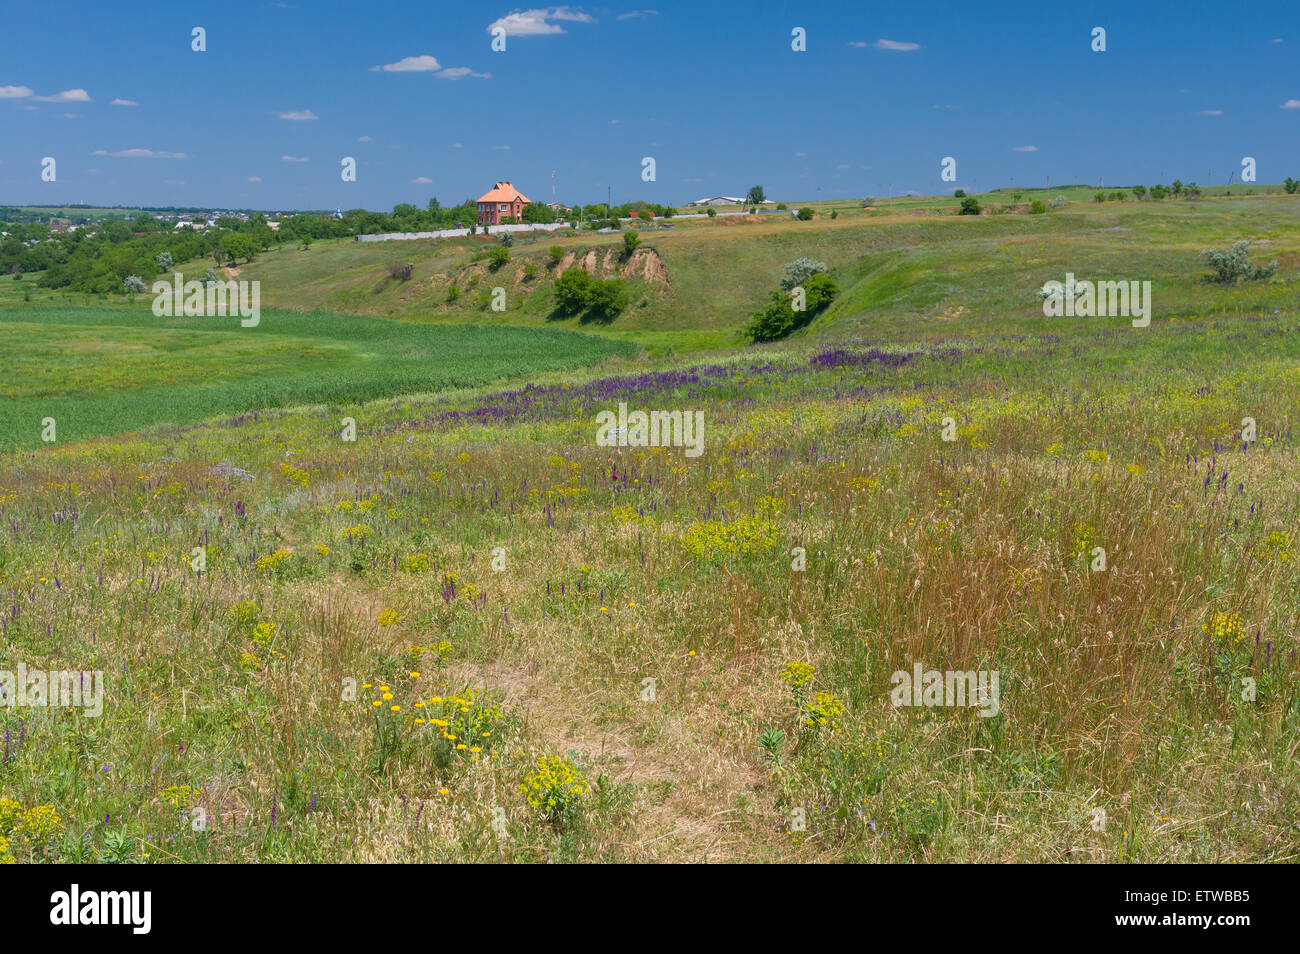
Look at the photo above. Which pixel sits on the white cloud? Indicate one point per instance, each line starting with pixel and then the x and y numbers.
pixel 124 102
pixel 506 148
pixel 428 64
pixel 297 114
pixel 1024 148
pixel 860 44
pixel 844 165
pixel 538 22
pixel 254 178
pixel 410 64
pixel 1210 112
pixel 898 45
pixel 801 154
pixel 458 145
pixel 69 115
pixel 460 72
pixel 422 180
pixel 140 154
pixel 365 139
pixel 615 122
pixel 15 92
pixel 1276 40
pixel 638 14
pixel 945 106
pixel 67 96
pixel 1291 104
pixel 294 159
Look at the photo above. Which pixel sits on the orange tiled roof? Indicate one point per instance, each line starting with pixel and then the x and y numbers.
pixel 503 192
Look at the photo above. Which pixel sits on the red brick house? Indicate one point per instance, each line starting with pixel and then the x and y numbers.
pixel 503 202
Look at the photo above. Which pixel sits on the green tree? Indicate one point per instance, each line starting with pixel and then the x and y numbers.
pixel 630 241
pixel 498 257
pixel 755 196
pixel 805 214
pixel 573 290
pixel 1291 186
pixel 608 298
pixel 969 206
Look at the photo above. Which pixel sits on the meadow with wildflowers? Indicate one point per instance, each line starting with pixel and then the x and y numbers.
pixel 473 634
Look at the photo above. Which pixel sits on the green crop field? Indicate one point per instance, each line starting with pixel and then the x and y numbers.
pixel 474 633
pixel 100 371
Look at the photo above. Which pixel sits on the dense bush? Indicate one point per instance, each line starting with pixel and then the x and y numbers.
pixel 498 257
pixel 779 317
pixel 401 270
pixel 576 291
pixel 608 298
pixel 572 291
pixel 805 214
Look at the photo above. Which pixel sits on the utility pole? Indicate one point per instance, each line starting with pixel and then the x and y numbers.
pixel 553 202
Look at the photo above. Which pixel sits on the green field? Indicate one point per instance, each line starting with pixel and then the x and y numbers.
pixel 433 644
pixel 100 371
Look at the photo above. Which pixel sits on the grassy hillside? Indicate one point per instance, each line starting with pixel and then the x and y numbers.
pixel 922 272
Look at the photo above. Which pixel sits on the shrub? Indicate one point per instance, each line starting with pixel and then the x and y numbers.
pixel 835 213
pixel 1037 208
pixel 453 293
pixel 969 206
pixel 779 318
pixel 165 261
pixel 774 322
pixel 959 193
pixel 819 291
pixel 498 257
pixel 608 298
pixel 1099 197
pixel 800 271
pixel 133 283
pixel 1291 186
pixel 557 254
pixel 1233 264
pixel 781 206
pixel 530 271
pixel 506 239
pixel 712 212
pixel 630 241
pixel 401 270
pixel 805 214
pixel 1140 191
pixel 573 290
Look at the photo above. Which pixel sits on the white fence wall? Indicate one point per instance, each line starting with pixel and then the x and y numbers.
pixel 458 233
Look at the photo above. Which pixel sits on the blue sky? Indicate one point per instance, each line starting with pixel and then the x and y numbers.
pixel 713 91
